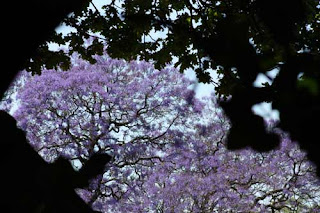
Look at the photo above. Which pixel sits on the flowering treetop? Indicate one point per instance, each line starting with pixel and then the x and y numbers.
pixel 168 147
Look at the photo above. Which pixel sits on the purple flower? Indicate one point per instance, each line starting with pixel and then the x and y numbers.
pixel 168 148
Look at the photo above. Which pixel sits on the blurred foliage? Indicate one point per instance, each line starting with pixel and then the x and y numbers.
pixel 238 38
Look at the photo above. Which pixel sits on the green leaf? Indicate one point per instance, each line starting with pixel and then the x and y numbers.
pixel 310 84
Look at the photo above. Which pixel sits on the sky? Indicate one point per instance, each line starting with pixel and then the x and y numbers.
pixel 263 109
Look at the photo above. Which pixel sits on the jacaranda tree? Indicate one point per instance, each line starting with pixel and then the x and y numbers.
pixel 168 147
pixel 209 178
pixel 199 174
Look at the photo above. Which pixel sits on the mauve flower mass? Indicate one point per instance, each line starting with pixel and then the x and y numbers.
pixel 167 146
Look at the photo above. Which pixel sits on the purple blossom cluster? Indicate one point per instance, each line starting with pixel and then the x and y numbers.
pixel 112 106
pixel 168 147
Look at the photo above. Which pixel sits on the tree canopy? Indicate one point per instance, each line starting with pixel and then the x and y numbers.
pixel 168 149
pixel 238 38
